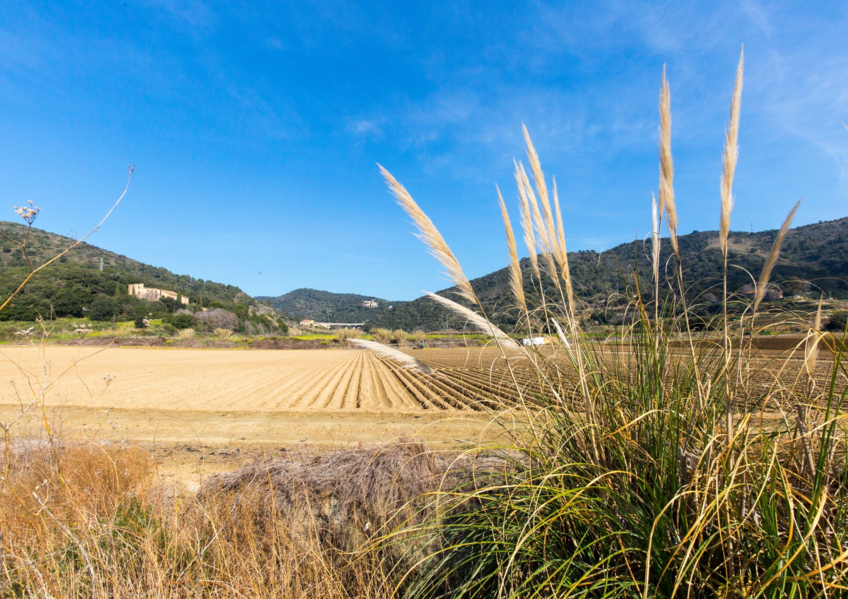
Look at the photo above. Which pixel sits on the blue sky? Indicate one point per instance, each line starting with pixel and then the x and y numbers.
pixel 255 129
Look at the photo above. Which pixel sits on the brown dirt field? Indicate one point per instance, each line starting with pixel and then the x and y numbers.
pixel 226 398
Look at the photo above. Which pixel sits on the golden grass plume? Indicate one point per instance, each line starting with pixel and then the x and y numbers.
pixel 731 155
pixel 515 281
pixel 762 285
pixel 476 320
pixel 667 205
pixel 430 235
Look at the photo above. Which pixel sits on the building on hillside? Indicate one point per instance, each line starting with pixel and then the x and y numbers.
pixel 152 294
pixel 307 322
pixel 370 303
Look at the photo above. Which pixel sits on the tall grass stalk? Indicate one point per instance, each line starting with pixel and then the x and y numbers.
pixel 663 461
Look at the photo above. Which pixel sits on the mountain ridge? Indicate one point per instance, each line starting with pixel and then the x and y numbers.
pixel 814 258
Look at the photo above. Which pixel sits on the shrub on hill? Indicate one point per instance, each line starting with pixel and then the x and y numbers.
pixel 102 308
pixel 183 321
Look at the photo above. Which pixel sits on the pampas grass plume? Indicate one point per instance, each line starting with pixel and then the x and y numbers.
pixel 430 235
pixel 515 281
pixel 731 154
pixel 527 221
pixel 476 320
pixel 772 257
pixel 667 204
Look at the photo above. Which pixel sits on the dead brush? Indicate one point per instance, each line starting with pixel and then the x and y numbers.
pixel 89 520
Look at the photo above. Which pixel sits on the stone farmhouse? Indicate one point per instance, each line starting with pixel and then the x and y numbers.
pixel 152 294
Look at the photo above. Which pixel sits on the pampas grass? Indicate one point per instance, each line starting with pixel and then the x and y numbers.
pixel 479 322
pixel 395 355
pixel 657 491
pixel 516 284
pixel 542 232
pixel 667 205
pixel 541 189
pixel 762 285
pixel 431 236
pixel 527 221
pixel 731 155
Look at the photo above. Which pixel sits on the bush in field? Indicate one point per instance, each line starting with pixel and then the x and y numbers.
pixel 223 333
pixel 183 321
pixel 345 335
pixel 418 336
pixel 381 335
pixel 400 336
pixel 102 308
pixel 186 333
pixel 217 318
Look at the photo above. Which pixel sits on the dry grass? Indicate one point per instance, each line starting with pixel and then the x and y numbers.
pixel 185 333
pixel 223 333
pixel 88 520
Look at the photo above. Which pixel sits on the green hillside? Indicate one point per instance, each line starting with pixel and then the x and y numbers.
pixel 814 260
pixel 325 306
pixel 70 286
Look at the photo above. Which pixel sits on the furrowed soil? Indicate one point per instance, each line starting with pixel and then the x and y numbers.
pixel 222 398
pixel 205 410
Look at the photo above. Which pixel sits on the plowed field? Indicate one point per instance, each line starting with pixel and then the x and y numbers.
pixel 275 380
pixel 225 380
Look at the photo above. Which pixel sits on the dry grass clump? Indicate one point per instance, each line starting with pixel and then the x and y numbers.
pixel 223 333
pixel 400 336
pixel 345 335
pixel 88 520
pixel 185 333
pixel 383 336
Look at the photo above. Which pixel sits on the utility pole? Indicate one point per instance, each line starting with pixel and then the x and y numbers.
pixel 101 264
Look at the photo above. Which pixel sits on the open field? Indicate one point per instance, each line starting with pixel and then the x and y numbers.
pixel 222 380
pixel 273 381
pixel 273 398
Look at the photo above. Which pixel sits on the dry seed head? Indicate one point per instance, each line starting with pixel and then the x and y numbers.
pixel 541 187
pixel 527 222
pixel 390 353
pixel 430 235
pixel 561 250
pixel 515 281
pixel 541 229
pixel 731 154
pixel 28 213
pixel 811 346
pixel 667 205
pixel 476 320
pixel 772 257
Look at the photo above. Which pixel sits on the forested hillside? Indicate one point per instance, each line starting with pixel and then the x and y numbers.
pixel 70 286
pixel 814 260
pixel 325 306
